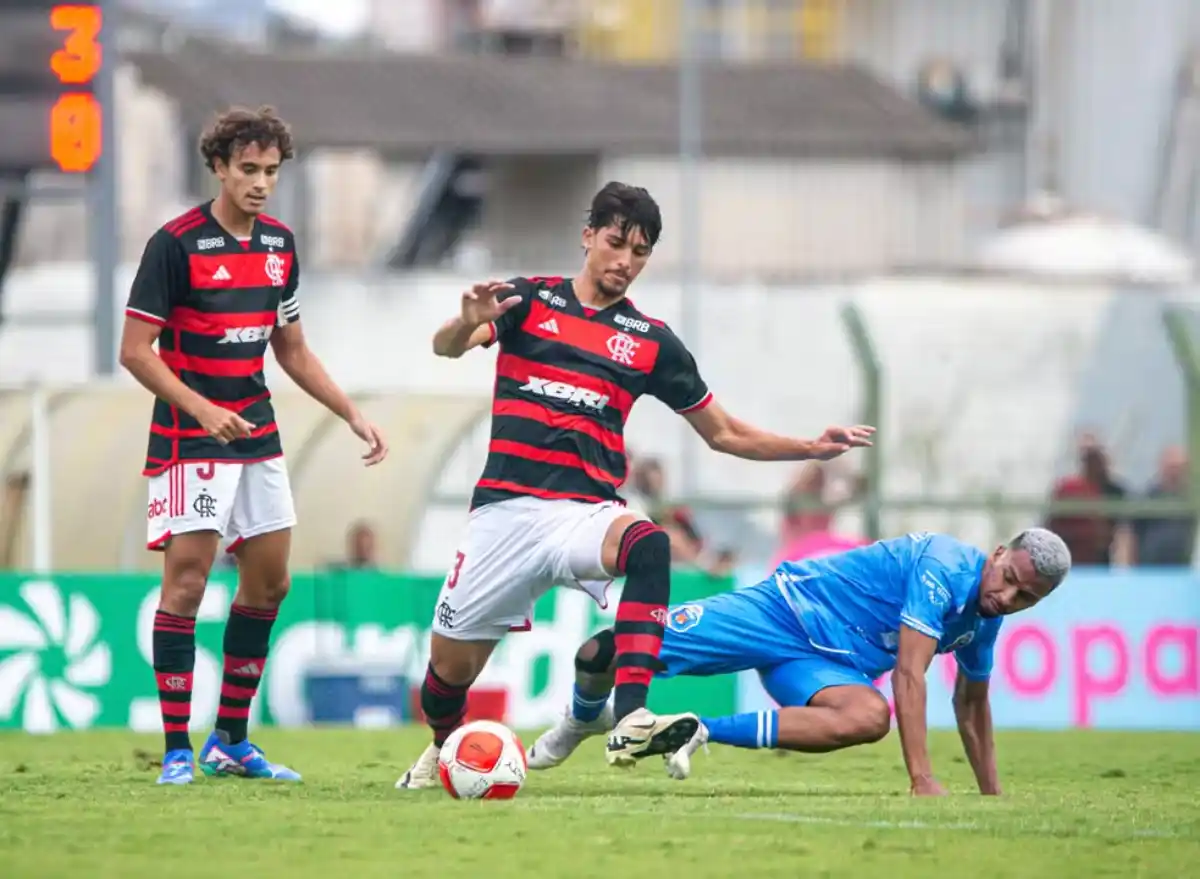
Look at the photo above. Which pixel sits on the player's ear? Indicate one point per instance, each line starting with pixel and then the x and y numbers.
pixel 588 238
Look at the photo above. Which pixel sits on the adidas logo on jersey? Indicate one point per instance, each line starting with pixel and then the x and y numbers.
pixel 550 326
pixel 222 274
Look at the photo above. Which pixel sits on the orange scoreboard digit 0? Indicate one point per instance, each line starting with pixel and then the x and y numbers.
pixel 75 117
pixel 50 57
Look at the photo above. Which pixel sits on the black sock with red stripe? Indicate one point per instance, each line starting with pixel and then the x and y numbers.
pixel 644 557
pixel 247 637
pixel 173 649
pixel 444 705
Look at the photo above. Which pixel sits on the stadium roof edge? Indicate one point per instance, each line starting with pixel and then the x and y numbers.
pixel 415 104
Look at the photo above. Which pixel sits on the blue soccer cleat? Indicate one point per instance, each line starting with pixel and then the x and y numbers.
pixel 220 759
pixel 177 768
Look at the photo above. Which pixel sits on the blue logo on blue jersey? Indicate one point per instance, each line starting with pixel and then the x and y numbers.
pixel 961 641
pixel 684 617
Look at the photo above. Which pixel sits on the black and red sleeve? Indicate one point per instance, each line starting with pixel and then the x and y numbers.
pixel 676 379
pixel 509 322
pixel 161 280
pixel 289 307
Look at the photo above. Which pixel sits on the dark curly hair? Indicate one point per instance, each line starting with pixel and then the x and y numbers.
pixel 238 127
pixel 630 207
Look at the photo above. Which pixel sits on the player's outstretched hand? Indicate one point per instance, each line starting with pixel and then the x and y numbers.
pixel 839 440
pixel 927 787
pixel 377 447
pixel 480 306
pixel 223 425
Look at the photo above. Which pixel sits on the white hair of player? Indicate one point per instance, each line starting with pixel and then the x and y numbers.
pixel 1049 553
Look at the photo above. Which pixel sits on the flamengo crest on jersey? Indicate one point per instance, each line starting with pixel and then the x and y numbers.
pixel 566 380
pixel 217 300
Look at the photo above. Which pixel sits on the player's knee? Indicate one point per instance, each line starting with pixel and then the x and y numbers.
pixel 868 721
pixel 183 586
pixel 645 548
pixel 595 656
pixel 273 590
pixel 456 662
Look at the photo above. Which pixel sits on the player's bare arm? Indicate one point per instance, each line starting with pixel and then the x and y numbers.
pixel 973 711
pixel 306 370
pixel 915 653
pixel 143 363
pixel 473 326
pixel 725 433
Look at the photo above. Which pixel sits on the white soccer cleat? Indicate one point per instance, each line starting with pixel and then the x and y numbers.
pixel 643 734
pixel 423 773
pixel 559 742
pixel 679 764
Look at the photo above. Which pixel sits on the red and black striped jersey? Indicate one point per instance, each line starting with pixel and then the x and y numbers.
pixel 566 379
pixel 217 299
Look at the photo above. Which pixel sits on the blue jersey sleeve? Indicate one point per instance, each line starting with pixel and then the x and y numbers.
pixel 975 657
pixel 928 597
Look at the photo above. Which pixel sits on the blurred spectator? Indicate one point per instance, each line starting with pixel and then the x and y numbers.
pixel 808 531
pixel 799 517
pixel 1167 541
pixel 360 550
pixel 942 88
pixel 16 490
pixel 1093 539
pixel 646 490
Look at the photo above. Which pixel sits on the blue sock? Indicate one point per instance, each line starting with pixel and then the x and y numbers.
pixel 586 707
pixel 757 729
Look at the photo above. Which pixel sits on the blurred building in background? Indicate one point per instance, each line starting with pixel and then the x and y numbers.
pixel 966 221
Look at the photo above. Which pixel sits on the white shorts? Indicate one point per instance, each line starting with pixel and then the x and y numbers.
pixel 237 500
pixel 513 553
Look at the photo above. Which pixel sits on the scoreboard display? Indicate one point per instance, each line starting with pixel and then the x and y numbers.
pixel 50 116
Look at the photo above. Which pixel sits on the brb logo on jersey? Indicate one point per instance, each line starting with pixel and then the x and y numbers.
pixel 275 269
pixel 632 323
pixel 556 301
pixel 622 348
pixel 542 387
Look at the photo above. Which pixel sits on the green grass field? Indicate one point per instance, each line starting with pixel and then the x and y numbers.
pixel 1076 804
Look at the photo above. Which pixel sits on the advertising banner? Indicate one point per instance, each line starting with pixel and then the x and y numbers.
pixel 75 649
pixel 1109 649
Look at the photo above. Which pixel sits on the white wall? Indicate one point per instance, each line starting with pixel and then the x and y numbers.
pixel 775 218
pixel 984 377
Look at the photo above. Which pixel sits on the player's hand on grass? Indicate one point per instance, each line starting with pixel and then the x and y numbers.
pixel 223 425
pixel 480 306
pixel 377 447
pixel 839 440
pixel 926 786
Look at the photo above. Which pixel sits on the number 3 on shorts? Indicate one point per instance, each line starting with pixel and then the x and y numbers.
pixel 452 580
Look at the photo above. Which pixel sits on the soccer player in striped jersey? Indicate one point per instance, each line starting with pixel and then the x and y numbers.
pixel 215 287
pixel 575 354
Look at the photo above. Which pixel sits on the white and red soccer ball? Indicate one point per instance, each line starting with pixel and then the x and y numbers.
pixel 482 760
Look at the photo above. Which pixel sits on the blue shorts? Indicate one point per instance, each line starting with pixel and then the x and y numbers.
pixel 752 629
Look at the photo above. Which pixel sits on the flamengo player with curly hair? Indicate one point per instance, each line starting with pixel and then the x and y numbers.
pixel 214 287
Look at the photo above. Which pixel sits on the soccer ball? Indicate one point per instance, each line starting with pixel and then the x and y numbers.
pixel 482 760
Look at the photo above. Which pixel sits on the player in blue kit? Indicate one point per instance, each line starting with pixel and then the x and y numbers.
pixel 819 632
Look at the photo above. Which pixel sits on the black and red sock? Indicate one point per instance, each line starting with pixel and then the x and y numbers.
pixel 644 557
pixel 444 705
pixel 247 638
pixel 173 647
